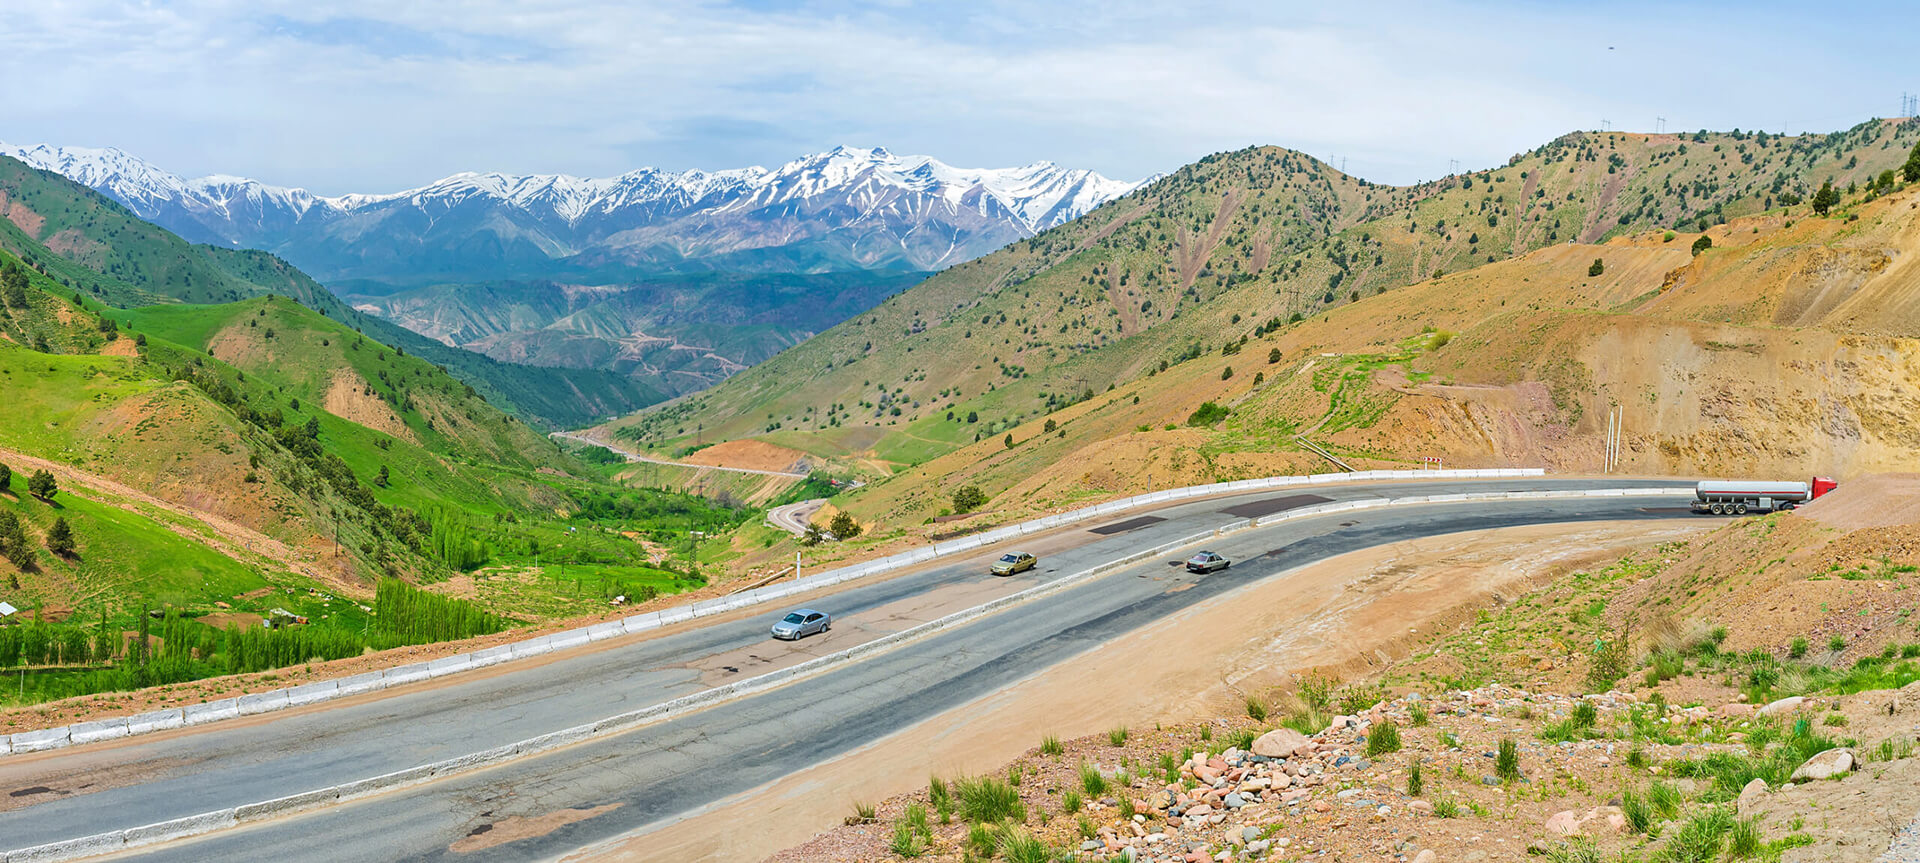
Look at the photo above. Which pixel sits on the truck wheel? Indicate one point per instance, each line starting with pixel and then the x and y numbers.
pixel 1740 509
pixel 1714 508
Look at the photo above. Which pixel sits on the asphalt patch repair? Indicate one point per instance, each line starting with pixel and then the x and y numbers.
pixel 1124 526
pixel 1258 508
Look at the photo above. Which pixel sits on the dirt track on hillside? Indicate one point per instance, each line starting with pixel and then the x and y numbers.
pixel 229 538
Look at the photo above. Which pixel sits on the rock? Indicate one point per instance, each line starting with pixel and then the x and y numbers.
pixel 1198 810
pixel 1322 806
pixel 1784 705
pixel 1420 807
pixel 1278 743
pixel 1249 834
pixel 1734 710
pixel 1545 665
pixel 1425 856
pixel 1091 845
pixel 1750 795
pixel 1832 762
pixel 1564 823
pixel 1234 800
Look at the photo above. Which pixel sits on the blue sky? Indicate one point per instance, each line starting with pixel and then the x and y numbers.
pixel 377 96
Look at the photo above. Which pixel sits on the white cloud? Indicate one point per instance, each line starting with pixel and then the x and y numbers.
pixel 371 96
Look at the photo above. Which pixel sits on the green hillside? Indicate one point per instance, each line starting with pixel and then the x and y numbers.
pixel 223 461
pixel 1233 246
pixel 90 245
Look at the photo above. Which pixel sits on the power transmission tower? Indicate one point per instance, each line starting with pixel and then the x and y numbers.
pixel 1606 125
pixel 1660 125
pixel 1453 167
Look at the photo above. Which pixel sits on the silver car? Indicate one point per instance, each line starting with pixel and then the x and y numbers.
pixel 1207 561
pixel 802 623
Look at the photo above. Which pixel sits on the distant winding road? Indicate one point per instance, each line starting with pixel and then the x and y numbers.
pixel 636 457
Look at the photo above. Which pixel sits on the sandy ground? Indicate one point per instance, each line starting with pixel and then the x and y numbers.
pixel 1353 609
pixel 750 455
pixel 1879 500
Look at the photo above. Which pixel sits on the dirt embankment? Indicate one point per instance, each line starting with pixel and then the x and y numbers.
pixel 350 398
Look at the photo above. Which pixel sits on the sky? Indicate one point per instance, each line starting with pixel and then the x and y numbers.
pixel 377 96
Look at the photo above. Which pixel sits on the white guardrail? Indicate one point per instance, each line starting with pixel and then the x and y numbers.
pixel 208 822
pixel 327 690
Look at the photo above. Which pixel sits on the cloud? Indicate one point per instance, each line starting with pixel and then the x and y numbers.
pixel 374 96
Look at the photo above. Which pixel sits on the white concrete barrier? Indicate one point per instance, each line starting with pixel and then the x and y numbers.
pixel 371 681
pixel 193 825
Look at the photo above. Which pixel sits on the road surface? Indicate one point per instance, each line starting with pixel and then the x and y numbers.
pixel 649 776
pixel 794 517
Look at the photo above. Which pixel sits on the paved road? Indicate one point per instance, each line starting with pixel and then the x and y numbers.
pixel 654 774
pixel 794 517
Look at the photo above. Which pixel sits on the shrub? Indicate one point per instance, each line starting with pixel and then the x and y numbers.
pixel 1091 780
pixel 1507 761
pixel 1050 745
pixel 1637 811
pixel 1704 243
pixel 980 841
pixel 1446 808
pixel 1743 841
pixel 1415 784
pixel 42 485
pixel 1273 356
pixel 1837 643
pixel 1118 736
pixel 1597 268
pixel 1070 802
pixel 906 843
pixel 985 800
pixel 1208 414
pixel 1699 839
pixel 1417 714
pixel 1798 649
pixel 843 526
pixel 1019 846
pixel 60 537
pixel 1226 373
pixel 968 498
pixel 1382 739
pixel 1256 709
pixel 862 814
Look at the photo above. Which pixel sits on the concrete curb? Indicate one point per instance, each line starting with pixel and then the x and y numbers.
pixel 194 825
pixel 314 693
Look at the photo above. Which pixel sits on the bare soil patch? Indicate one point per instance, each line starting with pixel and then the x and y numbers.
pixel 749 454
pixel 348 398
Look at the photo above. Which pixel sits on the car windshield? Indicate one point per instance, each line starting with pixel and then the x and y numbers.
pixel 1205 555
pixel 1007 558
pixel 795 617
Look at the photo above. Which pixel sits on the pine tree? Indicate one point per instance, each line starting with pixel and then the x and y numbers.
pixel 1824 199
pixel 60 537
pixel 843 526
pixel 381 480
pixel 6 476
pixel 1911 170
pixel 42 485
pixel 13 284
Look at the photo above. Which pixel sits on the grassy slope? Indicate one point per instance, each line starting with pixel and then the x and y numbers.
pixel 1208 254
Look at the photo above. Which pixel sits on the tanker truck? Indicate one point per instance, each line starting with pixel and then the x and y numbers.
pixel 1742 496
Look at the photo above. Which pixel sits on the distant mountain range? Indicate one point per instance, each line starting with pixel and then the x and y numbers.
pixel 846 209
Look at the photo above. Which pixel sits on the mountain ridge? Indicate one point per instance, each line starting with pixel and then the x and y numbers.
pixel 560 215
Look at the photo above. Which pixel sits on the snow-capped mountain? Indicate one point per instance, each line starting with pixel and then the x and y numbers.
pixel 849 207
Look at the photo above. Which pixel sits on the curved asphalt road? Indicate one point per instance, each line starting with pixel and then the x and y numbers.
pixel 654 774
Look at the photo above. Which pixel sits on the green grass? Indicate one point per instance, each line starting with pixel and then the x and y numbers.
pixel 986 800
